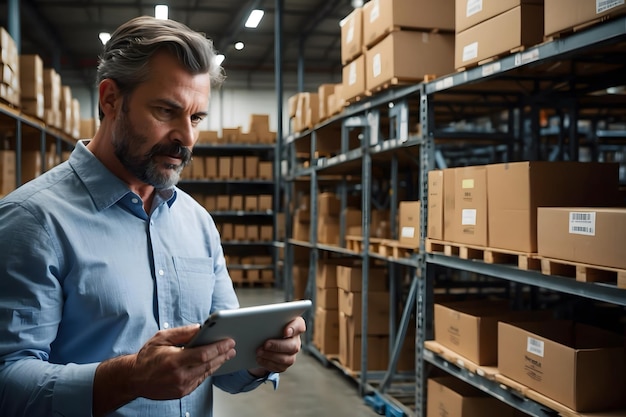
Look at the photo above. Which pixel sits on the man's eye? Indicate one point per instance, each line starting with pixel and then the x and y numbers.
pixel 195 119
pixel 164 111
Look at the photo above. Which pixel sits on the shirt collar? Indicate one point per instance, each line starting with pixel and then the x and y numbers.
pixel 103 186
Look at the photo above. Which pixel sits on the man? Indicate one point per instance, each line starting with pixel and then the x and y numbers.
pixel 107 267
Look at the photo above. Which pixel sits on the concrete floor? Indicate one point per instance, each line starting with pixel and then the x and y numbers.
pixel 308 389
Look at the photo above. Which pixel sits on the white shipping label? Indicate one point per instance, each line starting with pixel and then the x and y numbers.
pixel 467 183
pixel 582 223
pixel 376 65
pixel 473 7
pixel 468 217
pixel 350 33
pixel 535 346
pixel 470 51
pixel 408 232
pixel 352 74
pixel 375 10
pixel 604 5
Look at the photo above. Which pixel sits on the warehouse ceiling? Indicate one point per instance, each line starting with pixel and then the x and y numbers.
pixel 65 34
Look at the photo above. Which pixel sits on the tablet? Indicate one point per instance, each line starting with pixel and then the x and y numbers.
pixel 250 327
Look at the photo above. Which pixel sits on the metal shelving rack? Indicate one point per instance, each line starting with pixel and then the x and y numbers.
pixel 243 186
pixel 27 131
pixel 553 75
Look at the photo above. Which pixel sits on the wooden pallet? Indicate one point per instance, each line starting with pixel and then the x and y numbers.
pixel 395 249
pixel 355 243
pixel 583 272
pixel 492 58
pixel 525 261
pixel 400 81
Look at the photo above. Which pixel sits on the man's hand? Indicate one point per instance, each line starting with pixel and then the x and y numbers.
pixel 277 355
pixel 161 369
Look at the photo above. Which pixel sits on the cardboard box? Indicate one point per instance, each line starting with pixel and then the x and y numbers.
pixel 409 222
pixel 326 331
pixel 469 224
pixel 470 328
pixel 521 26
pixel 323 92
pixel 352 36
pixel 300 276
pixel 350 278
pixel 266 171
pixel 561 15
pixel 328 204
pixel 587 235
pixel 383 16
pixel 327 298
pixel 449 204
pixel 231 135
pixel 450 396
pixel 7 171
pixel 517 189
pixel 353 79
pixel 350 347
pixel 31 77
pixel 471 12
pixel 224 167
pixel 208 136
pixel 251 168
pixel 237 167
pixel 576 365
pixel 435 205
pixel 211 164
pixel 328 230
pixel 387 61
pixel 351 304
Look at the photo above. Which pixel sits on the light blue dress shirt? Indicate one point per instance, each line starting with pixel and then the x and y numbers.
pixel 86 274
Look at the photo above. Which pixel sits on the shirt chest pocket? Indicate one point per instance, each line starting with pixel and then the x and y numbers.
pixel 196 281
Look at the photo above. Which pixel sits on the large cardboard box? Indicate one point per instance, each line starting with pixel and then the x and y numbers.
pixel 517 189
pixel 7 171
pixel 450 396
pixel 587 235
pixel 350 342
pixel 409 222
pixel 326 331
pixel 351 304
pixel 469 224
pixel 352 36
pixel 435 205
pixel 327 298
pixel 350 278
pixel 31 77
pixel 561 15
pixel 472 12
pixel 449 205
pixel 353 79
pixel 470 328
pixel 576 365
pixel 383 16
pixel 521 26
pixel 432 54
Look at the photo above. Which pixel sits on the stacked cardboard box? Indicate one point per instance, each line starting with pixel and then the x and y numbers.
pixel 349 283
pixel 565 15
pixel 31 82
pixel 52 97
pixel 517 23
pixel 496 205
pixel 9 69
pixel 390 28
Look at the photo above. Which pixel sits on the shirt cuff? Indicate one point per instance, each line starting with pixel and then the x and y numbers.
pixel 73 391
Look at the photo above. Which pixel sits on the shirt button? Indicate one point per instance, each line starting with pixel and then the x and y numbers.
pixel 187 414
pixel 135 200
pixel 161 272
pixel 166 325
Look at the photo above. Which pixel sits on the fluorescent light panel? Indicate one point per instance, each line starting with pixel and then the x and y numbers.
pixel 255 18
pixel 161 11
pixel 104 37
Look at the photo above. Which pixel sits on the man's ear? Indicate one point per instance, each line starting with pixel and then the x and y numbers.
pixel 109 95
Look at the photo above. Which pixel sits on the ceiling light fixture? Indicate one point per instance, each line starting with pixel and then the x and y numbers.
pixel 219 59
pixel 161 11
pixel 104 37
pixel 239 46
pixel 255 18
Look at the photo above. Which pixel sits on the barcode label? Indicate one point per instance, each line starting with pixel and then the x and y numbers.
pixel 604 5
pixel 473 7
pixel 582 223
pixel 534 346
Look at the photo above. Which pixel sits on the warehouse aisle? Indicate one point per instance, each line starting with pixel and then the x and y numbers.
pixel 308 389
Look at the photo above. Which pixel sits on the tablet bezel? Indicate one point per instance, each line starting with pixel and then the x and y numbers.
pixel 250 327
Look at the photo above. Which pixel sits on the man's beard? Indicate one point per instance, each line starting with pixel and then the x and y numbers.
pixel 144 167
